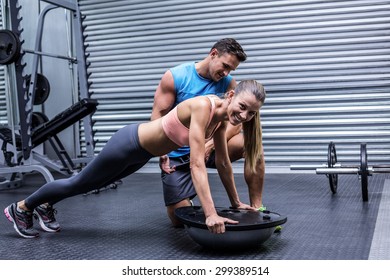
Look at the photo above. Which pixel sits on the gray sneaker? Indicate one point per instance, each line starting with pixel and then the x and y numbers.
pixel 23 221
pixel 47 220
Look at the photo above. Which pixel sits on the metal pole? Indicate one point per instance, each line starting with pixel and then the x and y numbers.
pixel 337 170
pixel 312 167
pixel 63 4
pixel 343 170
pixel 71 59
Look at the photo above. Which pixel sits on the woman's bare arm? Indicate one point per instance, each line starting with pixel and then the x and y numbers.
pixel 200 113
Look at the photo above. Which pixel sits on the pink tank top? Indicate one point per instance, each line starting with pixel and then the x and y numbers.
pixel 178 132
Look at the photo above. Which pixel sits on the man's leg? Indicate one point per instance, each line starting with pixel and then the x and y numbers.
pixel 254 179
pixel 255 182
pixel 236 147
pixel 178 190
pixel 171 211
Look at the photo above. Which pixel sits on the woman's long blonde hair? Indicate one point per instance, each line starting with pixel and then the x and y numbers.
pixel 252 130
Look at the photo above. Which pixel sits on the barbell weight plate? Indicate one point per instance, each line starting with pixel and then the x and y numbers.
pixel 42 88
pixel 332 160
pixel 364 171
pixel 37 119
pixel 10 47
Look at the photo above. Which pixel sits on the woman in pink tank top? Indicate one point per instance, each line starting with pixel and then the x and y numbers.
pixel 190 123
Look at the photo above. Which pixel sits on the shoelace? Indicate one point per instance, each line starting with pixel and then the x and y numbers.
pixel 50 211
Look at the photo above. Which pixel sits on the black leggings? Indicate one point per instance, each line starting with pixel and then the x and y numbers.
pixel 120 157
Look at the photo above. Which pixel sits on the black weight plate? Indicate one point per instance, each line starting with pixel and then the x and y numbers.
pixel 9 47
pixel 364 171
pixel 332 160
pixel 37 119
pixel 42 88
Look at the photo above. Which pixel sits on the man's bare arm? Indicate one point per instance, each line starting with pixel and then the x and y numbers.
pixel 165 96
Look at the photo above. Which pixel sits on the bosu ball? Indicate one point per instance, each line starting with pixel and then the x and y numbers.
pixel 253 229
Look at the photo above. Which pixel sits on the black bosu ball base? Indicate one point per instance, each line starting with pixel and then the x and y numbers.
pixel 253 229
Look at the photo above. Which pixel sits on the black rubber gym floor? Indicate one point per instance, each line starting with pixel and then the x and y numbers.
pixel 130 223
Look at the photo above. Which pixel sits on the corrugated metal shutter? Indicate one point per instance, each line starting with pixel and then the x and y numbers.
pixel 325 65
pixel 3 105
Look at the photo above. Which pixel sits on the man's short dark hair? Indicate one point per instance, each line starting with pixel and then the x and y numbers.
pixel 230 46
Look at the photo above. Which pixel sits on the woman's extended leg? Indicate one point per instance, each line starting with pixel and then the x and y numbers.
pixel 121 156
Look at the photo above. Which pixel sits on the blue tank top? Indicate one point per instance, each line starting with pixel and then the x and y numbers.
pixel 188 83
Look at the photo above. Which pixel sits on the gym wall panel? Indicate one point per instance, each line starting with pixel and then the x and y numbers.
pixel 325 65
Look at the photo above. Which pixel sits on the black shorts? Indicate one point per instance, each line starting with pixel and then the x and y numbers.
pixel 178 185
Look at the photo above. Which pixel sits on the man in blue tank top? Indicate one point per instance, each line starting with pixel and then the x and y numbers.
pixel 209 76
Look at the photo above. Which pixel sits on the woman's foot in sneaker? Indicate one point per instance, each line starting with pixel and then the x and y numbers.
pixel 22 220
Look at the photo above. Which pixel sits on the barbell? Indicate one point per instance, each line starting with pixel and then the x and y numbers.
pixel 332 169
pixel 11 48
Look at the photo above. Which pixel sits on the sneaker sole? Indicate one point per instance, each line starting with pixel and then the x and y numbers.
pixel 42 224
pixel 9 217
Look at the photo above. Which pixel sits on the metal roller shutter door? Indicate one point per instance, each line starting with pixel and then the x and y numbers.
pixel 3 105
pixel 325 65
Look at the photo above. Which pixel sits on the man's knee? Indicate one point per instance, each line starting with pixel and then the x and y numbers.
pixel 259 170
pixel 171 211
pixel 236 147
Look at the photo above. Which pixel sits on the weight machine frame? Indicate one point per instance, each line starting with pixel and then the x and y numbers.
pixel 26 93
